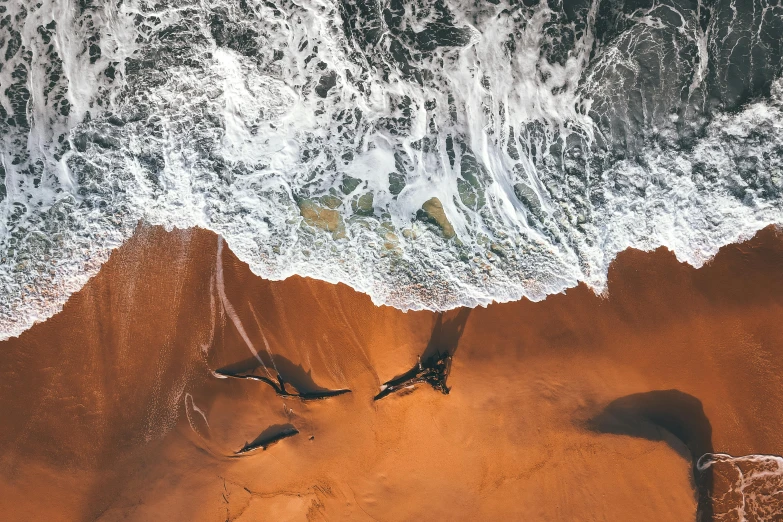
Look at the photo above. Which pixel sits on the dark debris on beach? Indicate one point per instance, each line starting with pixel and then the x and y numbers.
pixel 281 390
pixel 265 439
pixel 433 371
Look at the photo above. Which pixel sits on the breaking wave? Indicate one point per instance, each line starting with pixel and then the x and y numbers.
pixel 429 153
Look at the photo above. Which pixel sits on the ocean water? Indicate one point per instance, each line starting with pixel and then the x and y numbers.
pixel 432 154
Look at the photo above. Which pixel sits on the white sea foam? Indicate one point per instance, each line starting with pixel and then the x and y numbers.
pixel 218 115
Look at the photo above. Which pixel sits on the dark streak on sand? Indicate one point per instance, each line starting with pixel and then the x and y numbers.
pixel 268 437
pixel 282 391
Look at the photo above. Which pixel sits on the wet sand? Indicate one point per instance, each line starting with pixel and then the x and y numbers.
pixel 581 407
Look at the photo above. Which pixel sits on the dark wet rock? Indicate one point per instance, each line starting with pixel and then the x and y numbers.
pixel 318 214
pixel 432 212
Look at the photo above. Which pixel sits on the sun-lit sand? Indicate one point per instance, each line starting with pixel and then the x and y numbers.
pixel 576 408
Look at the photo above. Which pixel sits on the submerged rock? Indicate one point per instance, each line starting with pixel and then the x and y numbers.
pixel 432 212
pixel 323 218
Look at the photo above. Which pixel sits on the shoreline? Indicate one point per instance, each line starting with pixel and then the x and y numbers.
pixel 116 395
pixel 12 330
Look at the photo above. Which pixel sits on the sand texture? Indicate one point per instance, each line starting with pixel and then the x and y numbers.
pixel 177 385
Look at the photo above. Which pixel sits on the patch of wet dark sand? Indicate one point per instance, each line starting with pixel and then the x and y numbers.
pixel 671 416
pixel 279 372
pixel 101 382
pixel 668 415
pixel 446 333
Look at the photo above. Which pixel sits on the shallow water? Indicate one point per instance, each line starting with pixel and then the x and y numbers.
pixel 746 488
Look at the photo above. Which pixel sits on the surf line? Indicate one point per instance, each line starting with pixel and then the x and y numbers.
pixel 221 286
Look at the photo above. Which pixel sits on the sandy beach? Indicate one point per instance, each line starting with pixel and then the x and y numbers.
pixel 132 402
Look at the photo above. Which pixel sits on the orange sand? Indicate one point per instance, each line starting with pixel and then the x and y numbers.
pixel 102 404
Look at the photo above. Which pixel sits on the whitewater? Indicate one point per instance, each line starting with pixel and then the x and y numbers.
pixel 432 154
